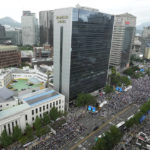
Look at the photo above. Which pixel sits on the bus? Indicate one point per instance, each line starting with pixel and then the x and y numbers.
pixel 121 125
pixel 130 117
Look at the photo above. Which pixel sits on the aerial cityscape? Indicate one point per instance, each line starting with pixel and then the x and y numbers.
pixel 75 77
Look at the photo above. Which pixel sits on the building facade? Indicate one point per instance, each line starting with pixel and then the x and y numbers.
pixel 29 24
pixel 46 27
pixel 82 42
pixel 122 40
pixel 145 38
pixel 9 56
pixel 15 36
pixel 147 51
pixel 2 31
pixel 5 78
pixel 33 105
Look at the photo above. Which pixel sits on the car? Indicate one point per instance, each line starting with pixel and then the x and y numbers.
pixel 95 128
pixel 103 134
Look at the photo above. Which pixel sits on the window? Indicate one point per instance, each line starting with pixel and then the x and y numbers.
pixel 7 104
pixel 0 105
pixel 16 122
pixel 43 107
pixel 32 118
pixel 5 127
pixel 50 105
pixel 53 104
pixel 59 107
pixel 9 128
pixel 47 106
pixel 13 125
pixel 40 115
pixel 56 102
pixel 40 109
pixel 36 110
pixel 59 101
pixel 26 117
pixel 32 112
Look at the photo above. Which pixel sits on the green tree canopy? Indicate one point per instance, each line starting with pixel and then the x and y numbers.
pixel 5 139
pixel 85 99
pixel 17 133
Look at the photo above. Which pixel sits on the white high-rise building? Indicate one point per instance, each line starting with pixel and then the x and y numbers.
pixel 29 24
pixel 122 40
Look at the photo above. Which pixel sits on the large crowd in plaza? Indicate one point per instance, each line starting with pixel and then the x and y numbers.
pixel 64 135
pixel 137 95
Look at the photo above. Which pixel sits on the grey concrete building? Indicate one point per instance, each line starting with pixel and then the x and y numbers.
pixel 2 31
pixel 46 27
pixel 29 24
pixel 82 42
pixel 145 38
pixel 15 36
pixel 122 39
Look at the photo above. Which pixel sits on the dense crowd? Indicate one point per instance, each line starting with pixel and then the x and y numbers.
pixel 138 95
pixel 64 135
pixel 128 141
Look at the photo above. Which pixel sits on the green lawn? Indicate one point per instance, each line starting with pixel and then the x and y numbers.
pixel 23 84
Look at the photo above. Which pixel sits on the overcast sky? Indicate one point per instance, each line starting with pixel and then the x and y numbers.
pixel 139 8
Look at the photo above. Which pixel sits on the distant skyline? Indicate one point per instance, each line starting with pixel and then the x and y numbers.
pixel 138 8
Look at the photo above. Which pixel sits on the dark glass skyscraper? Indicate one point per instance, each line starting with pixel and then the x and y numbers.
pixel 81 59
pixel 46 27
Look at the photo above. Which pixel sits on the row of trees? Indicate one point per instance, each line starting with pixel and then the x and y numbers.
pixel 133 72
pixel 117 79
pixel 135 120
pixel 112 137
pixel 39 128
pixel 108 140
pixel 84 99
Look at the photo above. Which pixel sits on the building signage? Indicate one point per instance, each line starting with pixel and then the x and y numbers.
pixel 127 22
pixel 61 19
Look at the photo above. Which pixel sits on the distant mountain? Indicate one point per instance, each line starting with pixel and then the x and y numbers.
pixel 142 25
pixel 9 21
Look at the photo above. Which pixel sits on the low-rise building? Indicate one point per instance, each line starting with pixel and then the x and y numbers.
pixel 147 52
pixel 33 105
pixel 8 98
pixel 5 77
pixel 9 56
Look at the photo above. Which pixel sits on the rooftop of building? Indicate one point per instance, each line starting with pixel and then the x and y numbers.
pixel 6 95
pixel 13 110
pixel 8 47
pixel 30 100
pixel 39 97
pixel 3 73
pixel 126 15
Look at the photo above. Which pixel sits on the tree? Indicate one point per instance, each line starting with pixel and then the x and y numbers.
pixel 38 123
pixel 108 89
pixel 16 134
pixel 85 99
pixel 125 80
pixel 5 139
pixel 54 114
pixel 46 118
pixel 29 132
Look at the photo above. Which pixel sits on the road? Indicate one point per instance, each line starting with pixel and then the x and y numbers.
pixel 125 113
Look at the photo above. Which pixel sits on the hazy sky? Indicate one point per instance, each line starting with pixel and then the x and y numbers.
pixel 139 8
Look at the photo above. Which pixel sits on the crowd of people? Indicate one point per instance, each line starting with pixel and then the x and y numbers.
pixel 129 139
pixel 64 135
pixel 137 95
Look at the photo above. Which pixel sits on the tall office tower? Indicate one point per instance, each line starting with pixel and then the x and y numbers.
pixel 46 27
pixel 82 42
pixel 145 38
pixel 122 39
pixel 29 28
